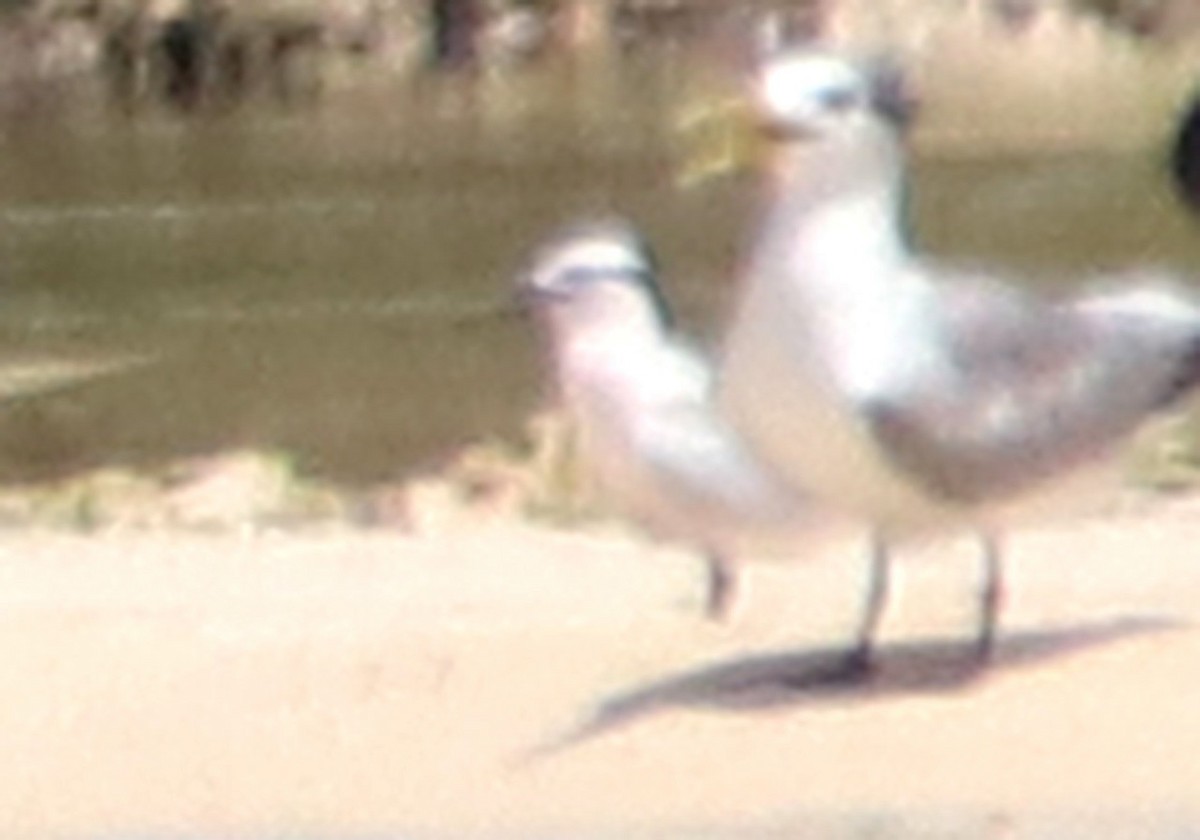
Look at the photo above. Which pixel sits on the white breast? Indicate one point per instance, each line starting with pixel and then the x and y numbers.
pixel 790 376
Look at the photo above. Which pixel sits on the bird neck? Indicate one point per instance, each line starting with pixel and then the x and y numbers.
pixel 612 323
pixel 835 213
pixel 609 361
pixel 833 256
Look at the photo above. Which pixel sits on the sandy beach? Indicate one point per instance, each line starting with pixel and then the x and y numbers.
pixel 509 680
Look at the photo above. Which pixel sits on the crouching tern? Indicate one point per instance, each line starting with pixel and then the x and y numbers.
pixel 641 398
pixel 906 392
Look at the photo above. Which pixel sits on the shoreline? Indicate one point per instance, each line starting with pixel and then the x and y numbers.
pixel 1046 80
pixel 510 680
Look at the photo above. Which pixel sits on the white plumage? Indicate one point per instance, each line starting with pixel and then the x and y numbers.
pixel 641 398
pixel 938 396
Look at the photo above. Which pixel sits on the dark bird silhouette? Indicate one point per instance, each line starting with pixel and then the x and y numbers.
pixel 1185 155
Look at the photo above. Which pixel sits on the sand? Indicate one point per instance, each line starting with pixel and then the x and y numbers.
pixel 509 680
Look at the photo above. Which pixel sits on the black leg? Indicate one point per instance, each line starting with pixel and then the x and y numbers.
pixel 722 585
pixel 991 595
pixel 862 654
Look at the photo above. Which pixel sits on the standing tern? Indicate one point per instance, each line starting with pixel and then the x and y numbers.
pixel 905 392
pixel 642 400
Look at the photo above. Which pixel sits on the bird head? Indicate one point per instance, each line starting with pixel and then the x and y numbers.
pixel 593 275
pixel 796 97
pixel 803 95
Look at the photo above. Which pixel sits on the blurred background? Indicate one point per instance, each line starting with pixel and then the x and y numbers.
pixel 303 216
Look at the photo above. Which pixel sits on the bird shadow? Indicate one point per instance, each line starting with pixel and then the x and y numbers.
pixel 766 681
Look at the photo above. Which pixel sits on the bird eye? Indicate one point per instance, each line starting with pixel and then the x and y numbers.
pixel 581 275
pixel 838 99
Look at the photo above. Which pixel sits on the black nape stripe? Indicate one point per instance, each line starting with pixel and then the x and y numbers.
pixel 644 278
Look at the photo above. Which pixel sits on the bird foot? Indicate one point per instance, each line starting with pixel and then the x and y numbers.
pixel 858 664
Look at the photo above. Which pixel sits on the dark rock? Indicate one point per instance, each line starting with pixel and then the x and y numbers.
pixel 1185 155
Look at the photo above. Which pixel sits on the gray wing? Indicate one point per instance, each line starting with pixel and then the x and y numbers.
pixel 706 464
pixel 1036 388
pixel 702 458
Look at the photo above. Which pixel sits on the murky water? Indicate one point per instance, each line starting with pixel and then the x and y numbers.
pixel 327 281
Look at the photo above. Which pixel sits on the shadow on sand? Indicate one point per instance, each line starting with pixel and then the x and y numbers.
pixel 773 680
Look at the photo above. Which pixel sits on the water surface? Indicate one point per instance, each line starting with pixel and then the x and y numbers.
pixel 328 281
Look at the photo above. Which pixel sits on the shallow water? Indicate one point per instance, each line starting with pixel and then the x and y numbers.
pixel 331 280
